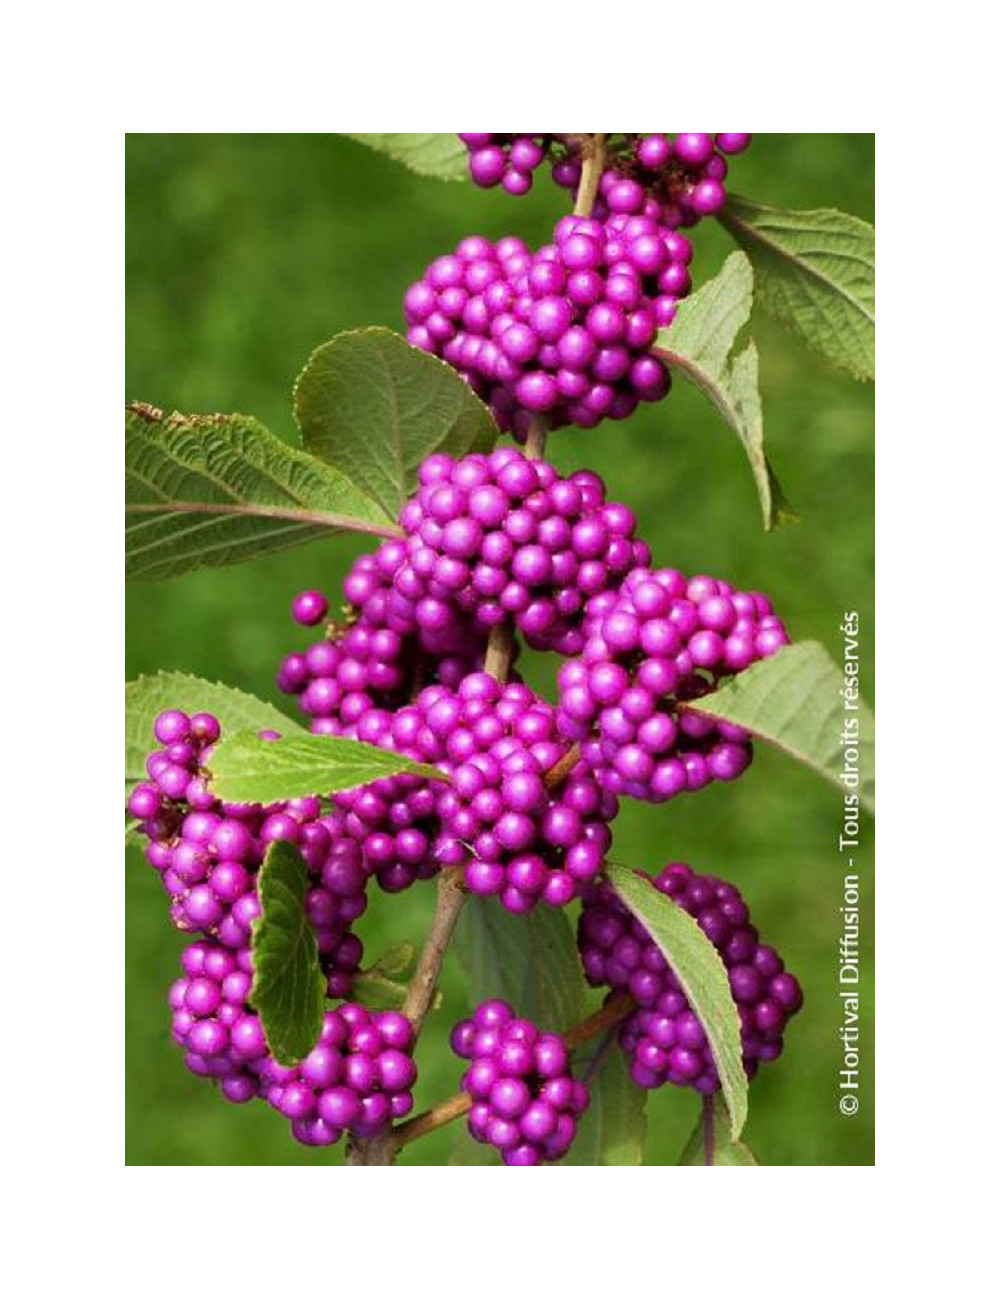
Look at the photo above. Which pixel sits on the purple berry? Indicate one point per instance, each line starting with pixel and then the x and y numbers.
pixel 310 608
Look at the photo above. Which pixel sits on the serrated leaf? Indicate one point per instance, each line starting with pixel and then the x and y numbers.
pixel 148 696
pixel 815 272
pixel 699 344
pixel 210 490
pixel 246 769
pixel 289 990
pixel 710 1143
pixel 700 971
pixel 378 992
pixel 374 408
pixel 612 1129
pixel 443 156
pixel 530 961
pixel 383 987
pixel 398 961
pixel 795 701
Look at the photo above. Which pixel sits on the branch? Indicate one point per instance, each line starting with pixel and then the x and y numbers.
pixel 420 994
pixel 590 177
pixel 382 1150
pixel 559 771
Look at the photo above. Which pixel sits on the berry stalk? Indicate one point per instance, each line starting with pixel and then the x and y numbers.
pixel 590 178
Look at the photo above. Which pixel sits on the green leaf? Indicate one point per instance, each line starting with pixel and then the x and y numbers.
pixel 399 961
pixel 796 700
pixel 443 156
pixel 710 1143
pixel 699 344
pixel 245 769
pixel 530 961
pixel 378 992
pixel 701 974
pixel 613 1127
pixel 382 987
pixel 289 990
pixel 374 407
pixel 815 273
pixel 209 490
pixel 148 696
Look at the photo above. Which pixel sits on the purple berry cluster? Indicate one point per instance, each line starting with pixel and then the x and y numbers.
pixel 513 834
pixel 683 175
pixel 387 647
pixel 512 160
pixel 357 1079
pixel 499 536
pixel 525 1101
pixel 663 1038
pixel 659 641
pixel 567 331
pixel 208 852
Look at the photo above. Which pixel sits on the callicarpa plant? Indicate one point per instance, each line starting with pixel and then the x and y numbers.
pixel 413 756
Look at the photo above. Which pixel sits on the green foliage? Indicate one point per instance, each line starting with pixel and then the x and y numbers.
pixel 699 344
pixel 815 273
pixel 209 490
pixel 794 700
pixel 382 987
pixel 149 696
pixel 710 1143
pixel 374 407
pixel 530 961
pixel 443 156
pixel 700 971
pixel 289 989
pixel 612 1130
pixel 245 769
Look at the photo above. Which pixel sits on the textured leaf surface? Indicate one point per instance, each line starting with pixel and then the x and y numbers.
pixel 289 991
pixel 148 696
pixel 701 974
pixel 699 344
pixel 383 986
pixel 613 1127
pixel 530 961
pixel 711 1144
pixel 245 769
pixel 443 156
pixel 373 407
pixel 815 271
pixel 211 490
pixel 794 700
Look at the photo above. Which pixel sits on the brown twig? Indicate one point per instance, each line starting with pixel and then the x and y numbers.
pixel 420 995
pixel 382 1150
pixel 558 772
pixel 590 177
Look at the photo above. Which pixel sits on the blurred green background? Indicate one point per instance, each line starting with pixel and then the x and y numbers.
pixel 243 253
